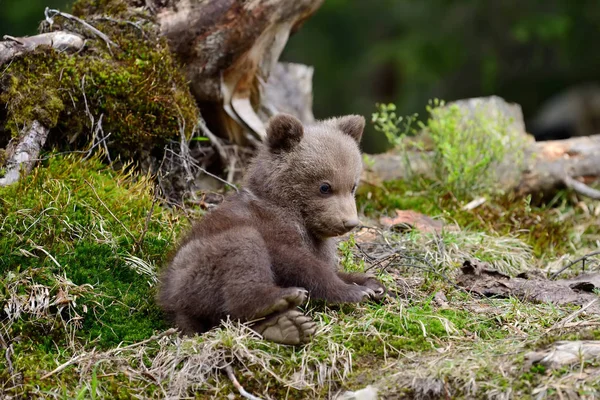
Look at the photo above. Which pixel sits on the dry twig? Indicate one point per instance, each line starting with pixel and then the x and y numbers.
pixel 569 265
pixel 83 356
pixel 51 13
pixel 237 385
pixel 582 188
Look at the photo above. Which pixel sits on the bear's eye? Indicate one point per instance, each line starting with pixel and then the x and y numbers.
pixel 325 188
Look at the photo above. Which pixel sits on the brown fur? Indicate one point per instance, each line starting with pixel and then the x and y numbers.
pixel 250 255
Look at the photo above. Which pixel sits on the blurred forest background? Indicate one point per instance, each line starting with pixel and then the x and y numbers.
pixel 407 52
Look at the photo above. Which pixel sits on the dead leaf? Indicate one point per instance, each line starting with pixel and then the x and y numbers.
pixel 474 204
pixel 61 298
pixel 366 235
pixel 440 299
pixel 409 219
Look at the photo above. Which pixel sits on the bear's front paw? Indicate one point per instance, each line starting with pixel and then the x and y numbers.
pixel 358 293
pixel 291 298
pixel 377 287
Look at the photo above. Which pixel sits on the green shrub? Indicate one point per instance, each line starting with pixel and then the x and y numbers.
pixel 466 149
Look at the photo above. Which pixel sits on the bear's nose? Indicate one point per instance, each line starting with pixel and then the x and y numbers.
pixel 351 224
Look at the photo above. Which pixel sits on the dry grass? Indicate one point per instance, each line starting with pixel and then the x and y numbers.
pixel 441 253
pixel 53 307
pixel 169 366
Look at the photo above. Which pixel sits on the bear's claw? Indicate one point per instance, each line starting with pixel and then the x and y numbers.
pixel 293 298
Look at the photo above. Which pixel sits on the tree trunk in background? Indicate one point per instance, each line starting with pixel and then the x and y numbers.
pixel 229 48
pixel 228 51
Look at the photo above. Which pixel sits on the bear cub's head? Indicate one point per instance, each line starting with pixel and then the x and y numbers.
pixel 312 170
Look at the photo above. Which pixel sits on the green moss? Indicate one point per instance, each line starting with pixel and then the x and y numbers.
pixel 137 88
pixel 115 8
pixel 81 222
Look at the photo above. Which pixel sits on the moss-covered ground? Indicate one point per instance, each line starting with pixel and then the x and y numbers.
pixel 80 245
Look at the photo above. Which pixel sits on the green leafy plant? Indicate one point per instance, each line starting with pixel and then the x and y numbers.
pixel 467 147
pixel 395 128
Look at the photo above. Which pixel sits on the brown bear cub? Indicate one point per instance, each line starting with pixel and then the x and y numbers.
pixel 265 249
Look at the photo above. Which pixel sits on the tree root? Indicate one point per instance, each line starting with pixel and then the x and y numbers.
pixel 24 154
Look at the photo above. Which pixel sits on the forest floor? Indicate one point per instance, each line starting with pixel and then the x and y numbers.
pixel 80 246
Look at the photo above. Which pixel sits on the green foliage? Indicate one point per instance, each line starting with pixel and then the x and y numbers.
pixel 395 128
pixel 347 259
pixel 21 18
pixel 406 52
pixel 467 147
pixel 414 328
pixel 116 8
pixel 75 230
pixel 137 90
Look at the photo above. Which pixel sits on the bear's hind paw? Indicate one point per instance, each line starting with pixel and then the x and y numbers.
pixel 290 327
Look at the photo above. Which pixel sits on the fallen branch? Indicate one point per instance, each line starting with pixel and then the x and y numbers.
pixel 569 265
pixel 65 365
pixel 51 13
pixel 549 166
pixel 582 188
pixel 564 353
pixel 13 47
pixel 566 321
pixel 22 155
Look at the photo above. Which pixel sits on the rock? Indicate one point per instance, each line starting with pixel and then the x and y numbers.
pixel 368 393
pixel 573 112
pixel 564 353
pixel 440 299
pixel 495 108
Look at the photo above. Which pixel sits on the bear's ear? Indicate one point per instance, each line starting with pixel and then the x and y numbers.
pixel 352 125
pixel 284 132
